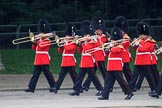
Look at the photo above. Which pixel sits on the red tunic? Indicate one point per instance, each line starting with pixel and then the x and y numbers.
pixel 99 55
pixel 68 51
pixel 126 54
pixel 87 60
pixel 143 55
pixel 42 56
pixel 115 62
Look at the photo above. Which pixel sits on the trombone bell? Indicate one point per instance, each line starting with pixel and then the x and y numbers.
pixel 24 39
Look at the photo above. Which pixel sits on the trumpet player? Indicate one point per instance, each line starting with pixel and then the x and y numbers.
pixel 115 67
pixel 98 25
pixel 87 61
pixel 42 59
pixel 68 60
pixel 143 57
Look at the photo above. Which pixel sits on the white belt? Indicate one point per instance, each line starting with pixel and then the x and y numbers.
pixel 114 58
pixel 141 53
pixel 41 52
pixel 152 52
pixel 86 54
pixel 98 48
pixel 67 54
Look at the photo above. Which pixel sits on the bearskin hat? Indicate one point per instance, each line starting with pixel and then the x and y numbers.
pixel 122 23
pixel 143 28
pixel 98 23
pixel 86 28
pixel 70 29
pixel 116 34
pixel 43 26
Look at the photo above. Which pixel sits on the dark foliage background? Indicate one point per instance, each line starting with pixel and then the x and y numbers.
pixel 29 11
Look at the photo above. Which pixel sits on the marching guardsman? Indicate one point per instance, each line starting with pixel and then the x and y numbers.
pixel 87 60
pixel 143 57
pixel 115 67
pixel 42 58
pixel 153 67
pixel 67 49
pixel 122 23
pixel 99 55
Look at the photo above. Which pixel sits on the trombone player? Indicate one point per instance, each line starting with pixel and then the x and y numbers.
pixel 100 38
pixel 87 61
pixel 67 48
pixel 115 67
pixel 142 63
pixel 42 59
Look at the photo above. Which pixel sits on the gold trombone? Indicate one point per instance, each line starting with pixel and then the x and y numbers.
pixel 158 51
pixel 69 40
pixel 135 41
pixel 106 45
pixel 31 38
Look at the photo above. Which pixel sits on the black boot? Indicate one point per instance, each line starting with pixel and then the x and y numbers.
pixel 102 98
pixel 154 95
pixel 54 90
pixel 85 88
pixel 129 96
pixel 29 90
pixel 74 93
pixel 152 92
pixel 135 89
pixel 98 93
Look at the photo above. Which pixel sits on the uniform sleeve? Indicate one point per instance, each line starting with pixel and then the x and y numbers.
pixel 116 50
pixel 44 44
pixel 70 47
pixel 97 44
pixel 60 49
pixel 80 49
pixel 146 47
pixel 90 46
pixel 126 44
pixel 104 39
pixel 34 47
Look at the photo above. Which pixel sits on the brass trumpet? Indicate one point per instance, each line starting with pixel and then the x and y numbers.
pixel 31 38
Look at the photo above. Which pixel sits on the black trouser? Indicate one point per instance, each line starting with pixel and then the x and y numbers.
pixel 36 74
pixel 91 74
pixel 154 73
pixel 145 71
pixel 112 76
pixel 101 65
pixel 62 74
pixel 127 73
